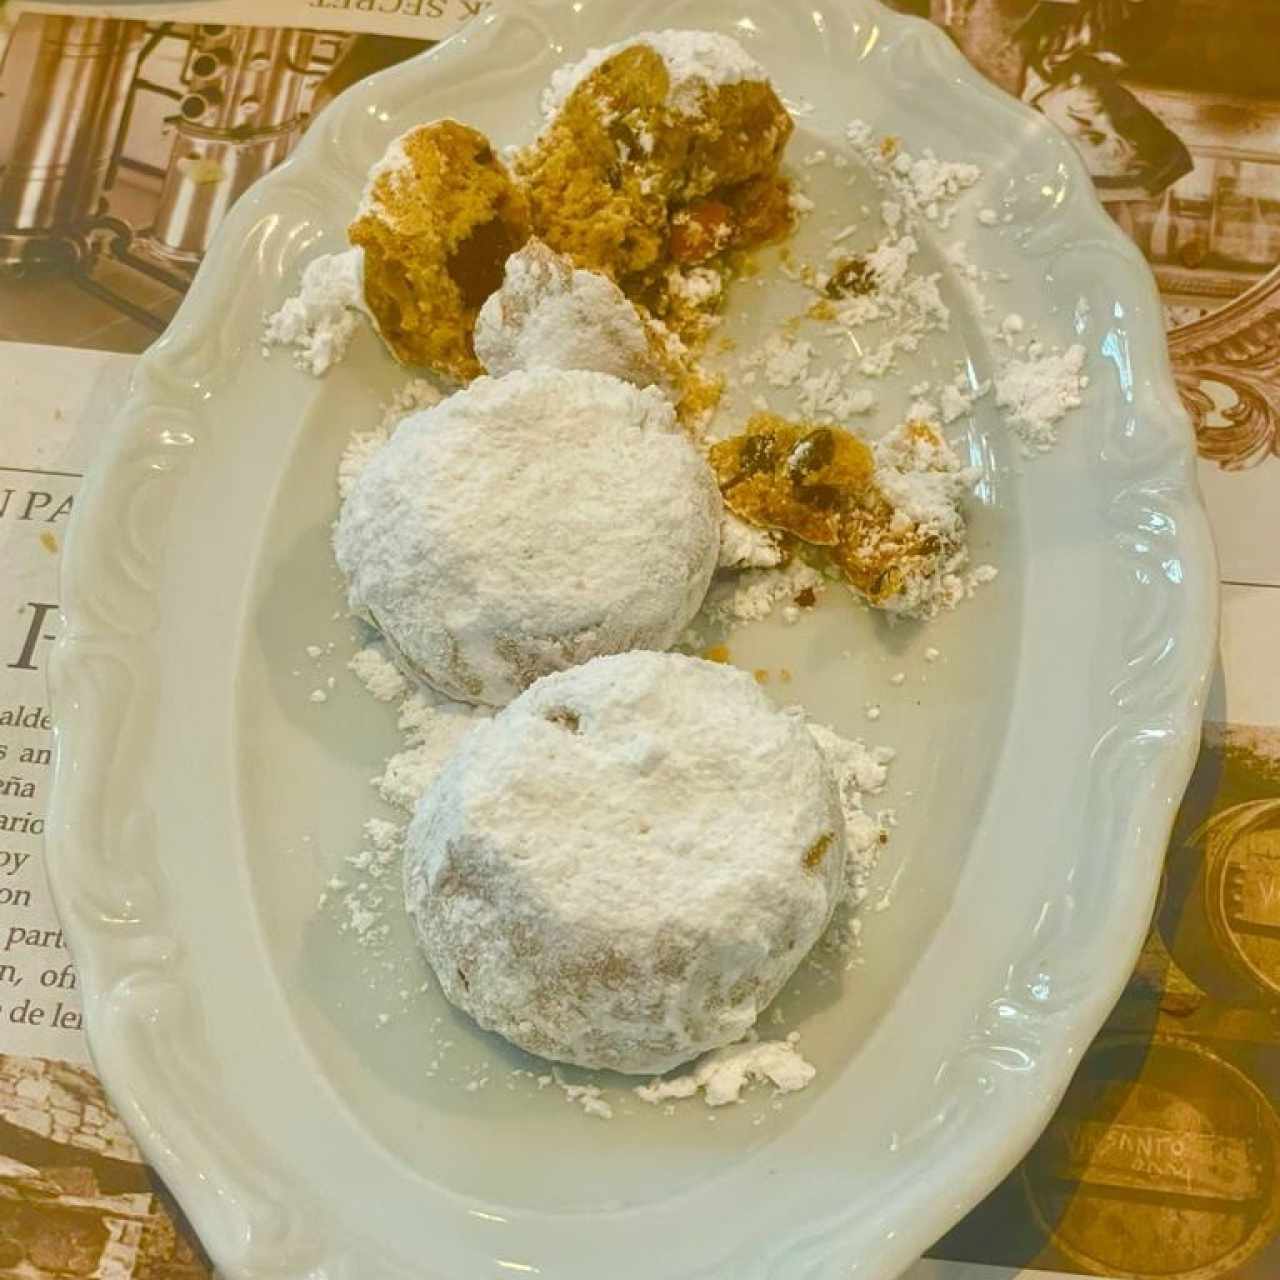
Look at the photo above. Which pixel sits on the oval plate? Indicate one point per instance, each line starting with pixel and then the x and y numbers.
pixel 201 798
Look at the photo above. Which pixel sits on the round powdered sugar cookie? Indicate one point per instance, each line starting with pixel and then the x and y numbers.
pixel 527 524
pixel 623 867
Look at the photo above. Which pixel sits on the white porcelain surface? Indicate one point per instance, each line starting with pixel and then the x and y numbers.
pixel 201 799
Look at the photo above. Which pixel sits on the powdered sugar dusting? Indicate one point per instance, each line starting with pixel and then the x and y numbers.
pixel 433 726
pixel 694 60
pixel 550 315
pixel 416 394
pixel 859 771
pixel 369 884
pixel 562 467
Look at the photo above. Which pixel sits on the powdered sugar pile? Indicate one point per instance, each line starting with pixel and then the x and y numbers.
pixel 694 60
pixel 378 674
pixel 950 401
pixel 319 321
pixel 925 483
pixel 433 726
pixel 723 1074
pixel 1039 390
pixel 754 594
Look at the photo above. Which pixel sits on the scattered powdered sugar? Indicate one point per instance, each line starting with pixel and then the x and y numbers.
pixel 903 304
pixel 1039 390
pixel 433 726
pixel 910 305
pixel 694 60
pixel 924 185
pixel 828 396
pixel 380 676
pixel 1036 390
pixel 588 1096
pixel 320 320
pixel 372 884
pixel 378 673
pixel 722 1074
pixel 956 400
pixel 782 361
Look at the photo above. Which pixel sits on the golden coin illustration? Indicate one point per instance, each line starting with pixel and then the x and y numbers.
pixel 1161 1162
pixel 1242 890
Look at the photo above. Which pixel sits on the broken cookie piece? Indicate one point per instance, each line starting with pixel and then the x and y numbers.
pixel 793 477
pixel 550 315
pixel 887 517
pixel 661 154
pixel 439 219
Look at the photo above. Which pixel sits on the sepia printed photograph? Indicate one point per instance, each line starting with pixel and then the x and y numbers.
pixel 122 146
pixel 1181 134
pixel 75 1198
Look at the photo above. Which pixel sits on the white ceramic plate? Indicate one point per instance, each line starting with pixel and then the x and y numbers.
pixel 201 799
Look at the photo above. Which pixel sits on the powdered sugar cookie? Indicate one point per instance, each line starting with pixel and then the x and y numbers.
pixel 623 867
pixel 527 524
